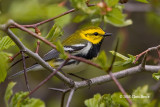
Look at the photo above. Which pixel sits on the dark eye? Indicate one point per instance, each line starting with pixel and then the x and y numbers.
pixel 95 33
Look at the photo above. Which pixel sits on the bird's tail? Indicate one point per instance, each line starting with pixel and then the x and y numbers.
pixel 32 68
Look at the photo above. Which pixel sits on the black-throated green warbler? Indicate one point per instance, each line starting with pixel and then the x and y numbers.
pixel 83 43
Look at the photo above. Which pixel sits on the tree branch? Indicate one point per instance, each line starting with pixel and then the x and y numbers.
pixel 118 75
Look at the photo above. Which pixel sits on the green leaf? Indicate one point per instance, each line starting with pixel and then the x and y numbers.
pixel 106 100
pixel 117 18
pixel 132 58
pixel 19 101
pixel 102 60
pixel 61 50
pixel 5 43
pixel 125 60
pixel 3 65
pixel 121 101
pixel 9 92
pixel 54 33
pixel 54 10
pixel 119 55
pixel 144 96
pixel 156 76
pixel 93 102
pixel 143 1
pixel 81 4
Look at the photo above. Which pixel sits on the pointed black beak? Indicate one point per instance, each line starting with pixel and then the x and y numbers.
pixel 107 34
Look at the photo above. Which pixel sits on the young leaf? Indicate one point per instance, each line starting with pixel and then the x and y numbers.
pixel 9 92
pixel 106 100
pixel 125 60
pixel 119 55
pixel 121 101
pixel 5 43
pixel 3 65
pixel 102 60
pixel 93 102
pixel 18 99
pixel 81 4
pixel 54 33
pixel 61 50
pixel 141 97
pixel 156 76
pixel 143 1
pixel 116 17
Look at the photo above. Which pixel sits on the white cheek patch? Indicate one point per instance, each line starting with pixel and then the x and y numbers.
pixel 86 49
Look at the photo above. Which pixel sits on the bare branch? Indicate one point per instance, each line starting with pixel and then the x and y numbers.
pixel 12 58
pixel 70 97
pixel 24 67
pixel 120 74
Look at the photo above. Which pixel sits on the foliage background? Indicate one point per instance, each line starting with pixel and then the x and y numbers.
pixel 142 34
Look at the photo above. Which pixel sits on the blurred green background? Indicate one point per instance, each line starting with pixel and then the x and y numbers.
pixel 135 38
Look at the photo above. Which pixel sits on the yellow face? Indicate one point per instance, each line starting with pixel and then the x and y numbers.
pixel 94 35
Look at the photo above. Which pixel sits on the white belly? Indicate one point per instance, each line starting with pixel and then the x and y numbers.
pixel 74 68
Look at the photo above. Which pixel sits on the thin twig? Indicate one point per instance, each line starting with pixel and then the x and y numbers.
pixel 85 61
pixel 63 91
pixel 139 55
pixel 149 49
pixel 45 21
pixel 38 32
pixel 60 90
pixel 70 97
pixel 26 57
pixel 49 77
pixel 120 88
pixel 12 58
pixel 48 20
pixel 143 63
pixel 33 34
pixel 25 74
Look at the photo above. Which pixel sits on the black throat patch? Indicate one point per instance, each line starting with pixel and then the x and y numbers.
pixel 93 52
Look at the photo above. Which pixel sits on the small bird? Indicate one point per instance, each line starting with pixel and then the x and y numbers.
pixel 85 43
